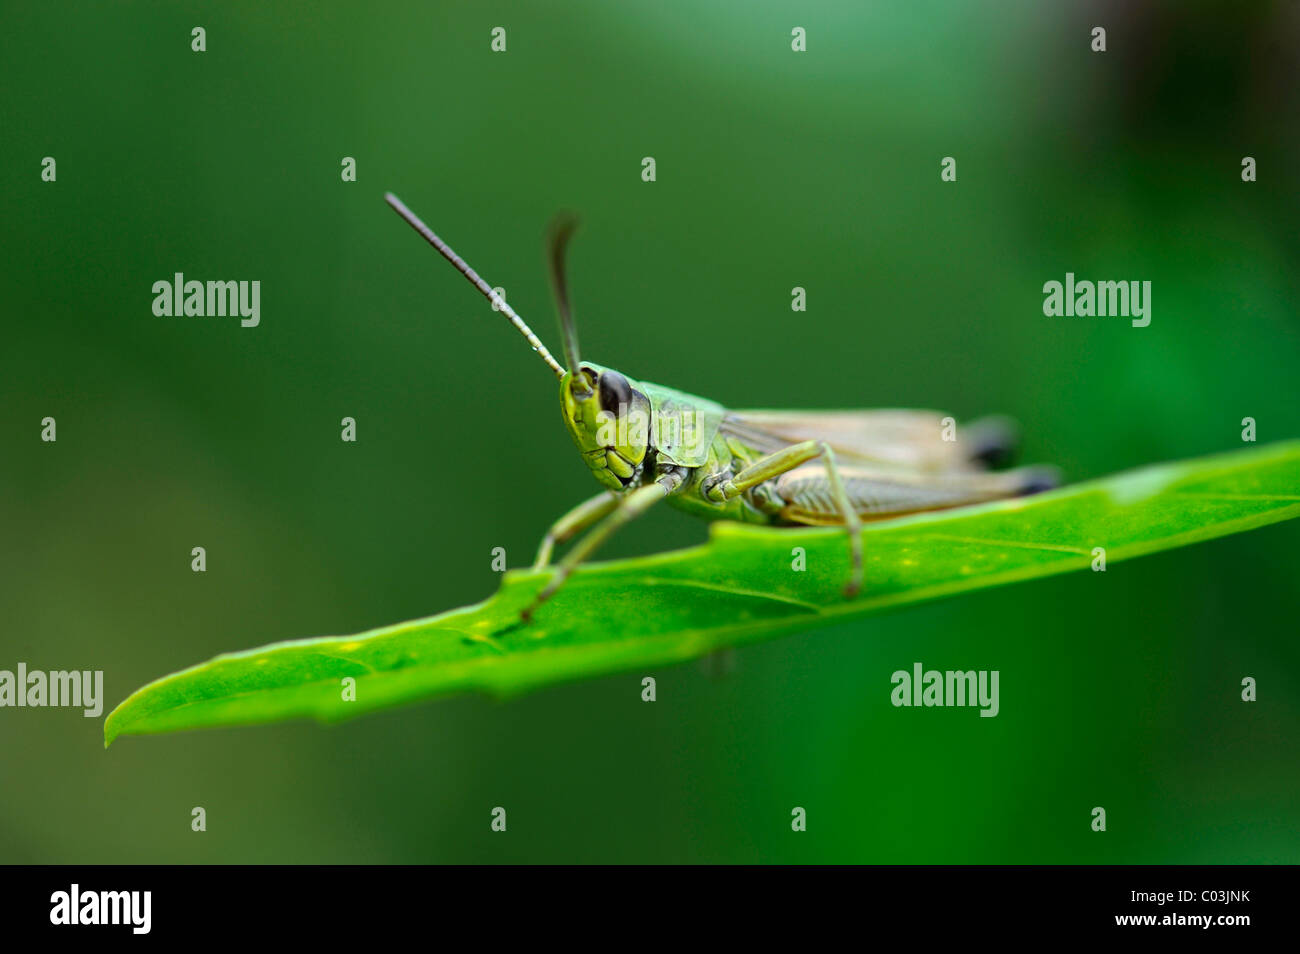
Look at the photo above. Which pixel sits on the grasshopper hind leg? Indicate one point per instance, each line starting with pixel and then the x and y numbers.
pixel 751 481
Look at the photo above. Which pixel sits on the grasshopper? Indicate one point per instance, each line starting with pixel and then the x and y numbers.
pixel 646 443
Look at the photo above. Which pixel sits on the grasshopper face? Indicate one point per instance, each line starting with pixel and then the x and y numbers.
pixel 608 418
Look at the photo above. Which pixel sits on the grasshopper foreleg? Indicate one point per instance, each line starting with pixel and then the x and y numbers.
pixel 626 507
pixel 585 515
pixel 785 460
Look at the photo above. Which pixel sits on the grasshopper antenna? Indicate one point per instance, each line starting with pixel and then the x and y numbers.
pixel 562 229
pixel 462 266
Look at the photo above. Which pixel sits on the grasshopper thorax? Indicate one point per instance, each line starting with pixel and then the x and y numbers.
pixel 608 417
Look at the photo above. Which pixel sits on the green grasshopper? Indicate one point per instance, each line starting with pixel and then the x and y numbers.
pixel 646 443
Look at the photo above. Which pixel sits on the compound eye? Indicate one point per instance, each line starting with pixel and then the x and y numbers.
pixel 615 391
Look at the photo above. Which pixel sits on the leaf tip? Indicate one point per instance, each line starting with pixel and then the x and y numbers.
pixel 111 730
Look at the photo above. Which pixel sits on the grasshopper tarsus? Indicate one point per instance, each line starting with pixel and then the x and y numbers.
pixel 510 628
pixel 526 614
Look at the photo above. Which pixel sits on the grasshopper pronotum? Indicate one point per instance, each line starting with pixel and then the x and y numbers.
pixel 647 443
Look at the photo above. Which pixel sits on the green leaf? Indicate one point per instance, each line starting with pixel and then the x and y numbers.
pixel 738 588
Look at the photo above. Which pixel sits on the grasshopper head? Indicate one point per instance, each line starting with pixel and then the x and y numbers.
pixel 608 418
pixel 607 415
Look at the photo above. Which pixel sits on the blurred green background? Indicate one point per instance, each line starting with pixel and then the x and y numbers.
pixel 775 169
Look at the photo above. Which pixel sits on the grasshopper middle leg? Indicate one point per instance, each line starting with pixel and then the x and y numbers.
pixel 785 460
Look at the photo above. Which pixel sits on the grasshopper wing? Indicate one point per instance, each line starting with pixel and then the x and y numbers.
pixel 876 492
pixel 905 439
